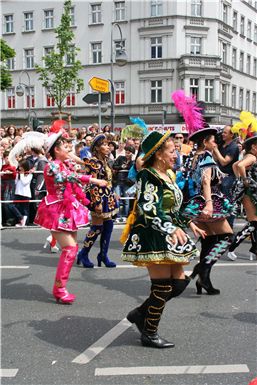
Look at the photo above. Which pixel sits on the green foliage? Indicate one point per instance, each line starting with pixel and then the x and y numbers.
pixel 6 52
pixel 56 76
pixel 132 131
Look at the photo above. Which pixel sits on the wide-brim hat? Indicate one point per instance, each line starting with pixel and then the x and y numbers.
pixel 251 139
pixel 51 139
pixel 153 142
pixel 96 139
pixel 202 133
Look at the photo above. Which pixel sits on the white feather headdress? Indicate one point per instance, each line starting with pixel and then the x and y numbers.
pixel 28 140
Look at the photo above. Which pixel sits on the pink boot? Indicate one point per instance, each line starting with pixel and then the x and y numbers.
pixel 62 275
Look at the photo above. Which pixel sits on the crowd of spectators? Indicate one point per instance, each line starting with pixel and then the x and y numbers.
pixel 121 159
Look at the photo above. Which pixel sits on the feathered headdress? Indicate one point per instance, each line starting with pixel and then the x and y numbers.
pixel 28 140
pixel 247 125
pixel 137 130
pixel 187 106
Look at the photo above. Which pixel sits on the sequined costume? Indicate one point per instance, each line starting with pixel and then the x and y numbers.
pixel 157 217
pixel 63 208
pixel 101 195
pixel 222 207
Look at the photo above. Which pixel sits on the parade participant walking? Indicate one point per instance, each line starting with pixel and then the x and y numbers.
pixel 103 204
pixel 63 210
pixel 246 171
pixel 157 240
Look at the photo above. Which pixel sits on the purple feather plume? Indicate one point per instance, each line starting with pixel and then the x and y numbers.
pixel 188 108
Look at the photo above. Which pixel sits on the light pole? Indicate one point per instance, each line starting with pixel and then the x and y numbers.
pixel 121 60
pixel 20 91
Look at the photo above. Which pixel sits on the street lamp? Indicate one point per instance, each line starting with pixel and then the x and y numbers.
pixel 20 90
pixel 121 60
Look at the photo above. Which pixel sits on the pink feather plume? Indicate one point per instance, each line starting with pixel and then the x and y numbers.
pixel 188 108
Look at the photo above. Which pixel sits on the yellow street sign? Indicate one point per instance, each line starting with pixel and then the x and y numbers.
pixel 98 84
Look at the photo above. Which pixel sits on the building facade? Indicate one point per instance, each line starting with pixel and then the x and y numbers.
pixel 208 48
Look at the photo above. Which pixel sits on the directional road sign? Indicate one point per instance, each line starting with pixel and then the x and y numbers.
pixel 94 98
pixel 98 84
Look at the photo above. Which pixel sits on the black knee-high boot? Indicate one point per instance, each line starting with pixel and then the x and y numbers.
pixel 177 287
pixel 253 235
pixel 240 236
pixel 206 245
pixel 160 292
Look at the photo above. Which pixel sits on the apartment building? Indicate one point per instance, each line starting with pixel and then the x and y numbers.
pixel 208 48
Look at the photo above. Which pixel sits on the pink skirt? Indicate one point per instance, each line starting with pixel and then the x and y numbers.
pixel 56 216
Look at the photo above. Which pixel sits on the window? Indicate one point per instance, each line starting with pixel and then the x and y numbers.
pixel 194 87
pixel 118 44
pixel 48 50
pixel 249 29
pixel 248 64
pixel 241 62
pixel 235 21
pixel 30 97
pixel 156 91
pixel 209 90
pixel 234 61
pixel 247 101
pixel 72 16
pixel 29 58
pixel 70 57
pixel 71 98
pixel 96 49
pixel 10 63
pixel 8 24
pixel 119 10
pixel 49 99
pixel 196 8
pixel 224 55
pixel 156 47
pixel 255 67
pixel 119 92
pixel 233 97
pixel 195 45
pixel 28 19
pixel 254 103
pixel 241 98
pixel 223 94
pixel 242 25
pixel 96 13
pixel 10 92
pixel 255 33
pixel 225 13
pixel 156 8
pixel 49 18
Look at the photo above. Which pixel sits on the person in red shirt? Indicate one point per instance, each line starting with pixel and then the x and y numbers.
pixel 8 175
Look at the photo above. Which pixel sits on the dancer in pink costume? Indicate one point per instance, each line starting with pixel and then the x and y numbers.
pixel 63 209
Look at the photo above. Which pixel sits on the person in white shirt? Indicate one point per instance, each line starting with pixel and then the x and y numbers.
pixel 22 192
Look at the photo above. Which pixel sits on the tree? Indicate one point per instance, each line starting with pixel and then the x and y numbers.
pixel 6 52
pixel 61 67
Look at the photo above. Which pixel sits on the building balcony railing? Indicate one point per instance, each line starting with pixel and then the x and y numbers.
pixel 202 61
pixel 196 21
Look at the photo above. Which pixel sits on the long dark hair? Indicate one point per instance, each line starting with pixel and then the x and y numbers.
pixel 58 143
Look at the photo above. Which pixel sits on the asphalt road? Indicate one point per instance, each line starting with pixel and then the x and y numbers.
pixel 91 342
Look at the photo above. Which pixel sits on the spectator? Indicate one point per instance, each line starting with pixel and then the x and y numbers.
pixel 185 148
pixel 7 188
pixel 11 133
pixel 107 129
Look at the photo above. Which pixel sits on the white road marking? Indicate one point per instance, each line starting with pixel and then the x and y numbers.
pixel 14 267
pixel 95 349
pixel 8 372
pixel 160 370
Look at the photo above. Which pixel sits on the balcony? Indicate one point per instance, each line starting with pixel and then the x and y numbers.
pixel 199 61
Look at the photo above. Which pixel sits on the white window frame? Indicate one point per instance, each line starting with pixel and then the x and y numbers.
pixel 255 33
pixel 224 53
pixel 255 67
pixel 72 16
pixel 235 20
pixel 196 8
pixel 248 64
pixel 96 13
pixel 10 92
pixel 96 51
pixel 118 44
pixel 254 108
pixel 241 61
pixel 249 29
pixel 119 90
pixel 29 97
pixel 224 88
pixel 156 91
pixel 194 87
pixel 8 23
pixel 156 8
pixel 242 25
pixel 28 21
pixel 119 10
pixel 247 100
pixel 195 45
pixel 71 94
pixel 10 63
pixel 209 90
pixel 233 97
pixel 70 56
pixel 48 18
pixel 234 58
pixel 52 104
pixel 29 58
pixel 156 47
pixel 241 99
pixel 225 13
